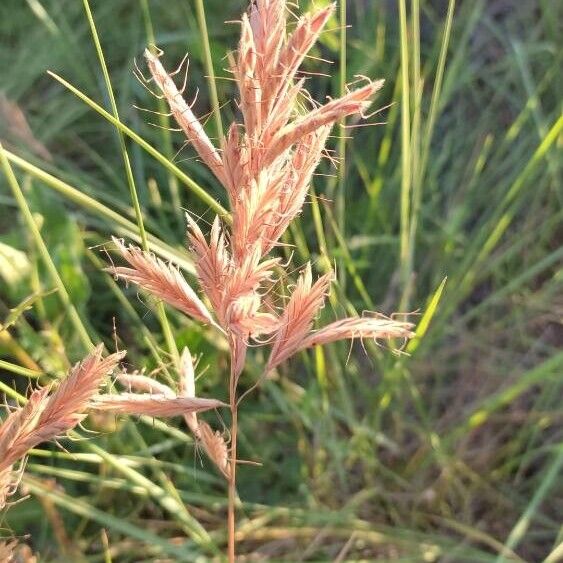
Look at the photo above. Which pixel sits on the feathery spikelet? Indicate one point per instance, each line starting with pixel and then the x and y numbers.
pixel 185 117
pixel 355 101
pixel 358 327
pixel 299 43
pixel 152 405
pixel 9 481
pixel 212 260
pixel 305 160
pixel 236 160
pixel 297 319
pixel 162 280
pixel 64 407
pixel 242 300
pixel 45 416
pixel 143 384
pixel 7 550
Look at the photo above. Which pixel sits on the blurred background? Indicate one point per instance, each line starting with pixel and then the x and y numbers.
pixel 450 453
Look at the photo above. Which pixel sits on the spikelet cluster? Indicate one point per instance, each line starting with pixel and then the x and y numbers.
pixel 48 414
pixel 265 164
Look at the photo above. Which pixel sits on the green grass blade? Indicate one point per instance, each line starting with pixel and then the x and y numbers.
pixel 518 532
pixel 556 555
pixel 406 171
pixel 44 253
pixel 429 312
pixel 164 122
pixel 86 510
pixel 208 60
pixel 127 227
pixel 122 146
pixel 19 370
pixel 506 396
pixel 22 307
pixel 184 178
pixel 437 88
pixel 161 313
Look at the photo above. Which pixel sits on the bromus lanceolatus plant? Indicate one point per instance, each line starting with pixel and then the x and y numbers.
pixel 265 163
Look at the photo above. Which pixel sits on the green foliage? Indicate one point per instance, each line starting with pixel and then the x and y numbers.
pixel 449 453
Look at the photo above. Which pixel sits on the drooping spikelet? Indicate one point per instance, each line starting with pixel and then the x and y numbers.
pixel 212 260
pixel 142 383
pixel 215 447
pixel 186 387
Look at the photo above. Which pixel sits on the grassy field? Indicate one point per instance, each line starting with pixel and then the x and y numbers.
pixel 450 207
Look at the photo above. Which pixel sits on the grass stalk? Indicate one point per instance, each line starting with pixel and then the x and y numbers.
pixel 232 482
pixel 341 184
pixel 161 313
pixel 406 171
pixel 164 122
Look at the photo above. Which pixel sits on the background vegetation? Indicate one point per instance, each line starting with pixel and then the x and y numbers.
pixel 451 453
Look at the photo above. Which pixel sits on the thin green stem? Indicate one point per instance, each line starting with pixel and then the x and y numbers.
pixel 20 370
pixel 437 89
pixel 416 173
pixel 164 122
pixel 341 195
pixel 171 343
pixel 208 61
pixel 405 147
